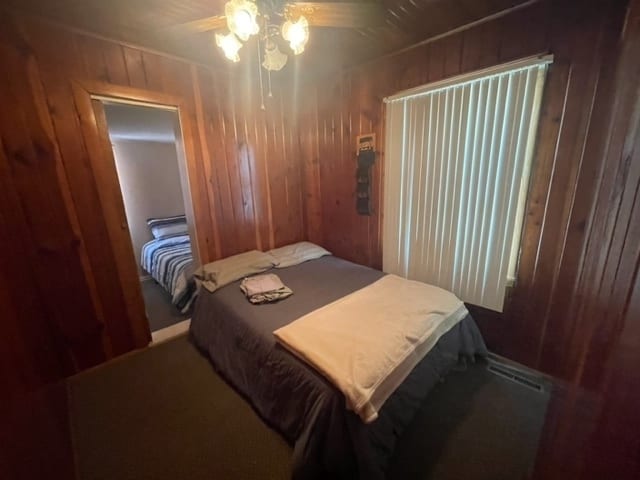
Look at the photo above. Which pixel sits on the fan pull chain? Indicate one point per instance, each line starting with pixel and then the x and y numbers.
pixel 262 107
pixel 270 92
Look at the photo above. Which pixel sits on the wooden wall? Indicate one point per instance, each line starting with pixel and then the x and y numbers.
pixel 542 322
pixel 266 178
pixel 63 306
pixel 593 432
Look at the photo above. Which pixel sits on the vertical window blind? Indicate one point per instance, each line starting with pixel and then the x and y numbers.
pixel 457 163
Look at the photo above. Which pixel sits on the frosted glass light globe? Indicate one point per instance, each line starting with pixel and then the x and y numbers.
pixel 296 33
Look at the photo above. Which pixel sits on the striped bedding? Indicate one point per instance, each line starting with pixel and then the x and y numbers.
pixel 170 262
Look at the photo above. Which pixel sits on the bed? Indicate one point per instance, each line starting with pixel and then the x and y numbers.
pixel 328 440
pixel 169 261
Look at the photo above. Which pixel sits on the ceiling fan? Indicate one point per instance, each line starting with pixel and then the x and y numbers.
pixel 275 22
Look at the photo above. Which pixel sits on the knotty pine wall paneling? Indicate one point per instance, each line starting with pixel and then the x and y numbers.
pixel 34 170
pixel 539 323
pixel 255 176
pixel 246 186
pixel 309 141
pixel 604 311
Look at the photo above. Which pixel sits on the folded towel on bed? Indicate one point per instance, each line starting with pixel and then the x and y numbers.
pixel 264 288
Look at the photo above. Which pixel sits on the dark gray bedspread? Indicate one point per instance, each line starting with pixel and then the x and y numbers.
pixel 329 441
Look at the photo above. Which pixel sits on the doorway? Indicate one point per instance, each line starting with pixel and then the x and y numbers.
pixel 145 141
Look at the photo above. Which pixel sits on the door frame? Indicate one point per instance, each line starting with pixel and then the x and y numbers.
pixel 93 123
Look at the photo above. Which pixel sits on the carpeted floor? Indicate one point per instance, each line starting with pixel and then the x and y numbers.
pixel 164 414
pixel 473 426
pixel 161 313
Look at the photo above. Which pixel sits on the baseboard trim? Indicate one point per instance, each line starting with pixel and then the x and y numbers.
pixel 172 331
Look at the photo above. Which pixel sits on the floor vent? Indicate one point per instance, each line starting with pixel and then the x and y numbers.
pixel 515 376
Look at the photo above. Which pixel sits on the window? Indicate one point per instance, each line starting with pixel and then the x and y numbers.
pixel 458 157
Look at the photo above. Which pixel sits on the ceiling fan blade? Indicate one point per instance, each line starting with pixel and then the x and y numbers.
pixel 342 15
pixel 200 25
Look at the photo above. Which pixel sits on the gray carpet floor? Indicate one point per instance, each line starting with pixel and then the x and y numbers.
pixel 164 414
pixel 161 312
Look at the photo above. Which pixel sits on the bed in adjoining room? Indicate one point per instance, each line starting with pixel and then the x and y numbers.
pixel 168 258
pixel 329 439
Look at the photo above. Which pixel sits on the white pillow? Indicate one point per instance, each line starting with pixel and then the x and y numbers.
pixel 168 226
pixel 297 253
pixel 222 272
pixel 172 230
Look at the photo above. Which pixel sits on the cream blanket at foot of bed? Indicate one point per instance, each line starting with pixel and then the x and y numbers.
pixel 369 341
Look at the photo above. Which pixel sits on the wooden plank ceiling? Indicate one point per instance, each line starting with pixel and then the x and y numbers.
pixel 148 23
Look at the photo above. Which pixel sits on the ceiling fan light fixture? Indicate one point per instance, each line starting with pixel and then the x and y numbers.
pixel 242 18
pixel 274 59
pixel 230 45
pixel 296 33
